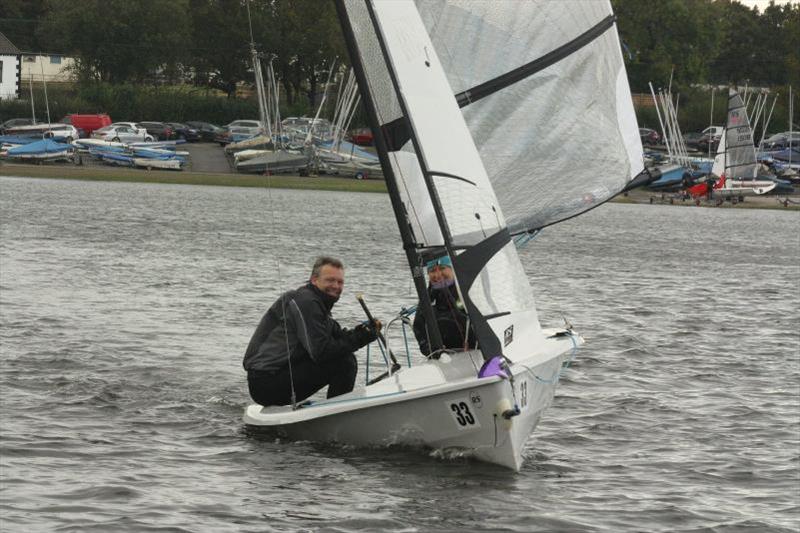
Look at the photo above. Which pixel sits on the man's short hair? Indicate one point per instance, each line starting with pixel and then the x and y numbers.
pixel 323 260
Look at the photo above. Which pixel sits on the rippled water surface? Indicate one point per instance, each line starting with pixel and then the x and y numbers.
pixel 125 310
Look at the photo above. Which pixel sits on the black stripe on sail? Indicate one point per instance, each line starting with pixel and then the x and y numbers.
pixel 452 176
pixel 468 266
pixel 396 132
pixel 520 73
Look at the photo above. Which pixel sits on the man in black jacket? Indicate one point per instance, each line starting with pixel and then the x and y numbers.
pixel 298 347
pixel 451 317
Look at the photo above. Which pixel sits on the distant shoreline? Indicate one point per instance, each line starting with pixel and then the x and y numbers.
pixel 325 183
pixel 120 174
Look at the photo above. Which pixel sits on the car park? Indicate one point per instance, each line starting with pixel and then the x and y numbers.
pixel 184 131
pixel 121 134
pixel 158 130
pixel 205 130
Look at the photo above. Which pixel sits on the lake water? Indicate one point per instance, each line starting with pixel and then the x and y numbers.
pixel 125 310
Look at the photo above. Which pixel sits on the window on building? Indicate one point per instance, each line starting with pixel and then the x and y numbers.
pixel 55 60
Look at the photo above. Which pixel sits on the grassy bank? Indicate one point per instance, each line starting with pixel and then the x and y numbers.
pixel 326 183
pixel 97 173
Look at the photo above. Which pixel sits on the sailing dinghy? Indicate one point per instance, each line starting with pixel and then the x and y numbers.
pixel 736 163
pixel 445 84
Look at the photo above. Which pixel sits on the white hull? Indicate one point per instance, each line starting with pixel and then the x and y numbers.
pixel 746 187
pixel 439 404
pixel 148 163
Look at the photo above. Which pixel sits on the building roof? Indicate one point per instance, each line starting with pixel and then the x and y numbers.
pixel 7 47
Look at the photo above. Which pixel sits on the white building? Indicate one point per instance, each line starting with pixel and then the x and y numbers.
pixel 53 68
pixel 9 68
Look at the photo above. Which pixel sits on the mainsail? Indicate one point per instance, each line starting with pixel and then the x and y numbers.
pixel 736 155
pixel 462 183
pixel 543 88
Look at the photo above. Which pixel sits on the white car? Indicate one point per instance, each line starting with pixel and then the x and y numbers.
pixel 121 134
pixel 132 125
pixel 57 131
pixel 244 124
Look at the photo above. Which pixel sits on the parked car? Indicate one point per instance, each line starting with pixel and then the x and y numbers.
pixel 362 137
pixel 781 141
pixel 235 134
pixel 709 141
pixel 86 124
pixel 205 130
pixel 649 136
pixel 691 139
pixel 133 125
pixel 14 122
pixel 62 132
pixel 57 131
pixel 184 131
pixel 159 130
pixel 121 134
pixel 244 124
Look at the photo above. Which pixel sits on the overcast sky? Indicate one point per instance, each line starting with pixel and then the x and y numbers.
pixel 761 4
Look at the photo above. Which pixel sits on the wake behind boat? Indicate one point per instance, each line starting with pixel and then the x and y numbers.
pixel 460 190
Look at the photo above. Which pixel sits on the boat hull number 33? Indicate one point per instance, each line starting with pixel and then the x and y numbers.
pixel 463 411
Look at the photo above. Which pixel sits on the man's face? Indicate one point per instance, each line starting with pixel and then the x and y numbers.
pixel 330 280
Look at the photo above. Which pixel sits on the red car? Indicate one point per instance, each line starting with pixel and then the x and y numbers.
pixel 361 137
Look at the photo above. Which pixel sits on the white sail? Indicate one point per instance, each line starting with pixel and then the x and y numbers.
pixel 561 136
pixel 446 149
pixel 736 153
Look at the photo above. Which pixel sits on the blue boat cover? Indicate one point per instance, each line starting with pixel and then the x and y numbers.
pixel 45 146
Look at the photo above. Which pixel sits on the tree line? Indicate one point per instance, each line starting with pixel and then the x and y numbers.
pixel 207 42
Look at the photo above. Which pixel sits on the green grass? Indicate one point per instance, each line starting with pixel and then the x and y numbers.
pixel 96 173
pixel 326 183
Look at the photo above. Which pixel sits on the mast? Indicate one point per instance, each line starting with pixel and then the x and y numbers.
pixel 30 86
pixel 406 234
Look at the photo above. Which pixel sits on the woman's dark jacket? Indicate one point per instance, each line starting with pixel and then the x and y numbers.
pixel 451 318
pixel 300 324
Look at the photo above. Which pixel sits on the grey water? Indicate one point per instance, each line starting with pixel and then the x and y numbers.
pixel 125 310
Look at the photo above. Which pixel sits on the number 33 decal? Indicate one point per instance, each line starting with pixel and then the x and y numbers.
pixel 463 416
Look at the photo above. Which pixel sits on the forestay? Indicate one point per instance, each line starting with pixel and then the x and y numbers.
pixel 544 91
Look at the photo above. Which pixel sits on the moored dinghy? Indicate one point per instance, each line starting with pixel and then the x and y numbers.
pixel 451 198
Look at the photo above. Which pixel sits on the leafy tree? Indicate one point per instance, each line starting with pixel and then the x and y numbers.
pixel 119 40
pixel 219 55
pixel 19 20
pixel 666 35
pixel 309 39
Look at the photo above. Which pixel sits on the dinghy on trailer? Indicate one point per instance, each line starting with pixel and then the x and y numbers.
pixel 468 147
